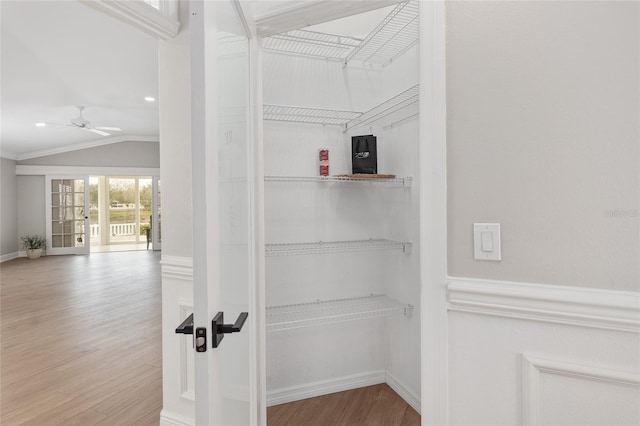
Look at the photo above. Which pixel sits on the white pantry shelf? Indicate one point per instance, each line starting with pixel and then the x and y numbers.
pixel 288 317
pixel 345 119
pixel 397 32
pixel 295 114
pixel 403 181
pixel 320 247
pixel 393 36
pixel 386 108
pixel 312 43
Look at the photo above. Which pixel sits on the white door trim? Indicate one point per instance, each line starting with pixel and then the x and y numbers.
pixel 433 213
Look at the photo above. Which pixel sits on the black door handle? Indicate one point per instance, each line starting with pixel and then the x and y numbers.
pixel 186 327
pixel 219 328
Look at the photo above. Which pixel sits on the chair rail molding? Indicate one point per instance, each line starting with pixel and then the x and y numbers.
pixel 533 366
pixel 581 306
pixel 177 267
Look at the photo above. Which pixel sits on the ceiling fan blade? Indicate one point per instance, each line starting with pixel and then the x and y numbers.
pixel 100 132
pixel 113 129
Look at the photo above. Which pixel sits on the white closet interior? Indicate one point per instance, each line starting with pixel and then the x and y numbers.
pixel 342 271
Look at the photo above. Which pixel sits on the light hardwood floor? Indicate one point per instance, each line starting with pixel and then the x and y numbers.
pixel 375 405
pixel 81 340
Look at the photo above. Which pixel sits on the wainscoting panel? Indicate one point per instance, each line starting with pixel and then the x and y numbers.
pixel 177 352
pixel 593 395
pixel 589 339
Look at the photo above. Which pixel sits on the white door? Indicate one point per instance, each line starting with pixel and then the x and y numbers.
pixel 225 248
pixel 67 214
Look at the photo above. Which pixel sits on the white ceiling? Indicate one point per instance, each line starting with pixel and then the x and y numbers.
pixel 59 54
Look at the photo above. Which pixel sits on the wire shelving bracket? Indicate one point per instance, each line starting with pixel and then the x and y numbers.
pixel 288 317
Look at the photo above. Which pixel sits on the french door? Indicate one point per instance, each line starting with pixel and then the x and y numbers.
pixel 225 245
pixel 67 214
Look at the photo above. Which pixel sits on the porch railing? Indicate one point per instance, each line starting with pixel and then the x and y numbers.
pixel 115 229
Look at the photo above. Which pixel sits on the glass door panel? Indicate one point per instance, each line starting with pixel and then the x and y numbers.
pixel 67 218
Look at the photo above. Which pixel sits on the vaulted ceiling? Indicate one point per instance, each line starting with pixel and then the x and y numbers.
pixel 56 55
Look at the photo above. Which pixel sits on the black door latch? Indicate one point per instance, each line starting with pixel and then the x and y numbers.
pixel 219 328
pixel 217 325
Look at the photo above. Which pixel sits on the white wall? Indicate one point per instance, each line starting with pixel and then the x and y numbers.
pixel 31 189
pixel 8 209
pixel 121 154
pixel 543 137
pixel 31 205
pixel 543 107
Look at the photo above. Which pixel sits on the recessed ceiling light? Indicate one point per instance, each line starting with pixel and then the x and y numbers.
pixel 41 124
pixel 149 98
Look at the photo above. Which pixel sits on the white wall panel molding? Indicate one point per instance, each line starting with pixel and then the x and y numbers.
pixel 324 387
pixel 35 170
pixel 187 390
pixel 177 267
pixel 9 256
pixel 409 397
pixel 533 367
pixel 587 307
pixel 168 418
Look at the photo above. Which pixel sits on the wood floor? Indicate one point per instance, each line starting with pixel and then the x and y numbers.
pixel 375 405
pixel 81 340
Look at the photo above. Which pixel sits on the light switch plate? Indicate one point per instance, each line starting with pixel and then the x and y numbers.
pixel 486 241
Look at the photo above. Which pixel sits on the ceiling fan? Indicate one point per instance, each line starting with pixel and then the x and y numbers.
pixel 81 123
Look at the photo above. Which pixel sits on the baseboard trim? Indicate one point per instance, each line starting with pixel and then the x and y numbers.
pixel 324 387
pixel 168 418
pixel 10 256
pixel 587 307
pixel 399 388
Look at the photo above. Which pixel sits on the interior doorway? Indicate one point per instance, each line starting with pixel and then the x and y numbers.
pixel 124 213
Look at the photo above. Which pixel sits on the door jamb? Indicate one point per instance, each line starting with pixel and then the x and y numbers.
pixel 433 217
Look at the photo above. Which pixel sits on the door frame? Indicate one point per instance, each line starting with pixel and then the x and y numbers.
pixel 433 214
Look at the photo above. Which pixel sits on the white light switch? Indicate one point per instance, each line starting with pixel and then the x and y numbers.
pixel 486 241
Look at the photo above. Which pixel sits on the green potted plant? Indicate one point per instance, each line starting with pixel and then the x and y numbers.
pixel 34 244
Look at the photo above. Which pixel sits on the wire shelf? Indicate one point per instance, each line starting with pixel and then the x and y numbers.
pixel 398 31
pixel 231 44
pixel 288 317
pixel 296 114
pixel 311 43
pixel 394 104
pixel 320 247
pixel 406 181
